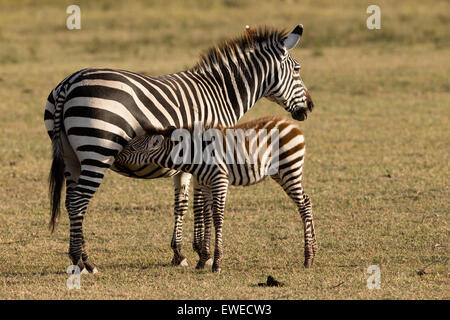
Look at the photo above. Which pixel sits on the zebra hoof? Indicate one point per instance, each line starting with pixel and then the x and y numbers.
pixel 200 265
pixel 86 271
pixel 308 263
pixel 209 262
pixel 90 267
pixel 184 263
pixel 216 269
pixel 179 260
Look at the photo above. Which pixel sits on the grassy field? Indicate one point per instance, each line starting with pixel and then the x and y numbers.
pixel 376 169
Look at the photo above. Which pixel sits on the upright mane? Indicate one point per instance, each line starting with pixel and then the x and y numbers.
pixel 251 39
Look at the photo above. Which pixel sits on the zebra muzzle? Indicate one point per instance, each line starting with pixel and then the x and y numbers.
pixel 299 114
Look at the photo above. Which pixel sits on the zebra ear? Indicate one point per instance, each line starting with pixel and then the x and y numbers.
pixel 291 40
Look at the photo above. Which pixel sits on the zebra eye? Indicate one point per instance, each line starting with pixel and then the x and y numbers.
pixel 156 141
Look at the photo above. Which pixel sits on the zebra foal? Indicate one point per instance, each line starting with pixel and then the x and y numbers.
pixel 269 146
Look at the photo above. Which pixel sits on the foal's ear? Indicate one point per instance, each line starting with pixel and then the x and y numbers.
pixel 291 40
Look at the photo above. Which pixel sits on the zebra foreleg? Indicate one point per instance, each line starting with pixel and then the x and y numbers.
pixel 206 215
pixel 198 219
pixel 181 182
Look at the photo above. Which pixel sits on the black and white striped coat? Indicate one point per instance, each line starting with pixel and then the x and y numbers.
pixel 93 114
pixel 272 146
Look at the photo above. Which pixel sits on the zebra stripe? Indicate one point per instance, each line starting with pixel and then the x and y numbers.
pixel 93 114
pixel 213 178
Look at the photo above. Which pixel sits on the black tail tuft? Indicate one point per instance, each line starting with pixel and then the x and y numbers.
pixel 56 182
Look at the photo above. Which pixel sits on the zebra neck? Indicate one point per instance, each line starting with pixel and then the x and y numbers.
pixel 163 158
pixel 238 90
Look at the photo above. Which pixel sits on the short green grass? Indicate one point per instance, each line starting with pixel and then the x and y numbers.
pixel 376 168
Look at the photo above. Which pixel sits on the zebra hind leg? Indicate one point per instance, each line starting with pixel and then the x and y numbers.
pixel 76 204
pixel 302 200
pixel 72 173
pixel 88 264
pixel 305 209
pixel 181 182
pixel 315 246
pixel 82 259
pixel 78 196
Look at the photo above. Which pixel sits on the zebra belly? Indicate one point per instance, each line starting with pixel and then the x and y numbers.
pixel 148 171
pixel 244 175
pixel 246 183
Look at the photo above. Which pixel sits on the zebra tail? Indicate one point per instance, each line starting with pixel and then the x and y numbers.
pixel 56 176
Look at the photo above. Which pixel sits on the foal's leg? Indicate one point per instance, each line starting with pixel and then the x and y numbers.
pixel 199 225
pixel 206 212
pixel 293 187
pixel 181 182
pixel 219 194
pixel 307 203
pixel 305 209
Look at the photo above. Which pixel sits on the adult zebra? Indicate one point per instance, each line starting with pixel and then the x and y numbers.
pixel 92 115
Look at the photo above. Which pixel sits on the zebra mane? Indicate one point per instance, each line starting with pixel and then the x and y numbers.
pixel 251 39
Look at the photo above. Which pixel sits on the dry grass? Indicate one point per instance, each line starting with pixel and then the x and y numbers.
pixel 376 168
